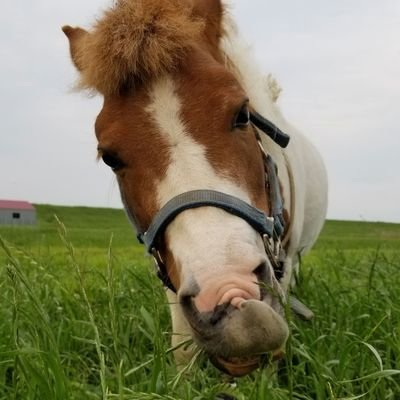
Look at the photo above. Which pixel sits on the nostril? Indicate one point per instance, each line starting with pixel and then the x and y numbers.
pixel 190 310
pixel 219 312
pixel 199 319
pixel 186 300
pixel 201 322
pixel 187 293
pixel 263 274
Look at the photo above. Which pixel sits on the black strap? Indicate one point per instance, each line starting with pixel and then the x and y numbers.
pixel 269 129
pixel 203 198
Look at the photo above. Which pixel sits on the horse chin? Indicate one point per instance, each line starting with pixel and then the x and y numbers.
pixel 241 366
pixel 236 366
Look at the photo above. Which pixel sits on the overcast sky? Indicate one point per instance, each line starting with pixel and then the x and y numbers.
pixel 337 61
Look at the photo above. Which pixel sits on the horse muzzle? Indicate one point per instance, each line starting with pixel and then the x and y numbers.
pixel 235 337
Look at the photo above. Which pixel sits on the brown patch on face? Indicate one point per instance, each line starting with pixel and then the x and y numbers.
pixel 125 129
pixel 173 268
pixel 211 97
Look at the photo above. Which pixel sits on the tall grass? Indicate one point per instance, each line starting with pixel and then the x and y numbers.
pixel 95 324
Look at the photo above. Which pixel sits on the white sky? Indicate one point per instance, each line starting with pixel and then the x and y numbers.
pixel 337 61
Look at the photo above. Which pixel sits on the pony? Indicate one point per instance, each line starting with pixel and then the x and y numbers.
pixel 224 193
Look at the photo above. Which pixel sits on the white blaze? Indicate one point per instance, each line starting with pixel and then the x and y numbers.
pixel 204 241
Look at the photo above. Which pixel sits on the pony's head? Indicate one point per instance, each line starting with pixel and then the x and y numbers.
pixel 176 119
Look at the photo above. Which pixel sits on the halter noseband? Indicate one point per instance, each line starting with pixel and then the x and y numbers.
pixel 271 228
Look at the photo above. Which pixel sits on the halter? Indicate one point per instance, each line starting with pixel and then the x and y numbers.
pixel 271 228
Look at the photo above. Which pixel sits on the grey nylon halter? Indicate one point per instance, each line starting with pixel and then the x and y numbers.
pixel 270 227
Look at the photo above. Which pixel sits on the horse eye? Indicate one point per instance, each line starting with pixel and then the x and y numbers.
pixel 242 118
pixel 112 161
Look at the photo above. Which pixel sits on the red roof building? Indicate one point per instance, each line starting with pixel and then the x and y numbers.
pixel 14 212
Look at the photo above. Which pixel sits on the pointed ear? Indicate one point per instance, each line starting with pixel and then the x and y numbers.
pixel 76 37
pixel 211 11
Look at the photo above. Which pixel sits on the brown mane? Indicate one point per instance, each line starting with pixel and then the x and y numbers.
pixel 133 41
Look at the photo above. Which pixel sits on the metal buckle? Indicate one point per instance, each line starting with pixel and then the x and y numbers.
pixel 161 269
pixel 158 261
pixel 264 153
pixel 277 247
pixel 269 249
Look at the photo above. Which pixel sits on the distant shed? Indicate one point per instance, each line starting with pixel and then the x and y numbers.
pixel 13 212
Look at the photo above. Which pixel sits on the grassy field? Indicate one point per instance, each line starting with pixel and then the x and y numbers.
pixel 82 316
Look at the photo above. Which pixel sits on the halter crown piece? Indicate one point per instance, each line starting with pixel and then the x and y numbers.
pixel 271 228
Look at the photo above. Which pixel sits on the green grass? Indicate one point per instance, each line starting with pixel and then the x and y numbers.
pixel 82 316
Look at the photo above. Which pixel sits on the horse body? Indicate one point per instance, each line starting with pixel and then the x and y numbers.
pixel 177 98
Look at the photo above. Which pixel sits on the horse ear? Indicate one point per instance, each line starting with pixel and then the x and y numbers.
pixel 76 37
pixel 211 11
